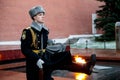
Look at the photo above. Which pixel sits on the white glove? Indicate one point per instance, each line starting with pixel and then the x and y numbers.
pixel 39 63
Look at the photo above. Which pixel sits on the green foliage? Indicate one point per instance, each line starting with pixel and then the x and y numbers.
pixel 108 15
pixel 109 33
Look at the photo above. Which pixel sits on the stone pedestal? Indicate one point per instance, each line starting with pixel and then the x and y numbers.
pixel 117 35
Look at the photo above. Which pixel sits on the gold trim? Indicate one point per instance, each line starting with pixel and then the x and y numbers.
pixel 38 51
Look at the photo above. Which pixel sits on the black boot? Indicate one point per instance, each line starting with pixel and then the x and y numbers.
pixel 90 64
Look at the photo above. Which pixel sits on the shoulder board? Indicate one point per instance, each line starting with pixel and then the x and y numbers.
pixel 24 32
pixel 28 28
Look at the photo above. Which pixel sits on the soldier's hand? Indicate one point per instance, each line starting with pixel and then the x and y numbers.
pixel 39 63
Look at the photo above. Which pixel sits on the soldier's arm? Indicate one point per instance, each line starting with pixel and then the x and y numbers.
pixel 26 40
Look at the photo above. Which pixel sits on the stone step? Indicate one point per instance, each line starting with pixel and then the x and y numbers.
pixel 12 65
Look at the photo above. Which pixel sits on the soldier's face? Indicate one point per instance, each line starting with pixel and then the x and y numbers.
pixel 39 17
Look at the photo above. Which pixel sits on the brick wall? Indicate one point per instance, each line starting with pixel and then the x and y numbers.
pixel 62 18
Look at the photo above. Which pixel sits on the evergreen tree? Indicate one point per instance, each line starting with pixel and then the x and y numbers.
pixel 107 17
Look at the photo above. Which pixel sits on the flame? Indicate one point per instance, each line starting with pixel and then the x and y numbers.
pixel 80 76
pixel 79 59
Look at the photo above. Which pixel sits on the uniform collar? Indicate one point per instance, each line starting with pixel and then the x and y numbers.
pixel 38 26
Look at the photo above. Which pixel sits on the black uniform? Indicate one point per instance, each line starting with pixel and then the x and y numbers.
pixel 30 41
pixel 27 47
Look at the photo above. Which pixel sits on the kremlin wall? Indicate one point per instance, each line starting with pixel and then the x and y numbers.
pixel 63 18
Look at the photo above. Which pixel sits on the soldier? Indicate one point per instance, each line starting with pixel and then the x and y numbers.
pixel 34 41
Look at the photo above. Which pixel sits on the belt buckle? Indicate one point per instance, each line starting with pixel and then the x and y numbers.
pixel 36 51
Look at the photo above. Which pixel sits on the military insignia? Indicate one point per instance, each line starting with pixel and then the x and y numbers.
pixel 24 35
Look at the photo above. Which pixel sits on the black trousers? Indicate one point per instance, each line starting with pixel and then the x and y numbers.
pixel 55 62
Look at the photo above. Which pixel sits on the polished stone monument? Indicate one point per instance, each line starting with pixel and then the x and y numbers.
pixel 117 35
